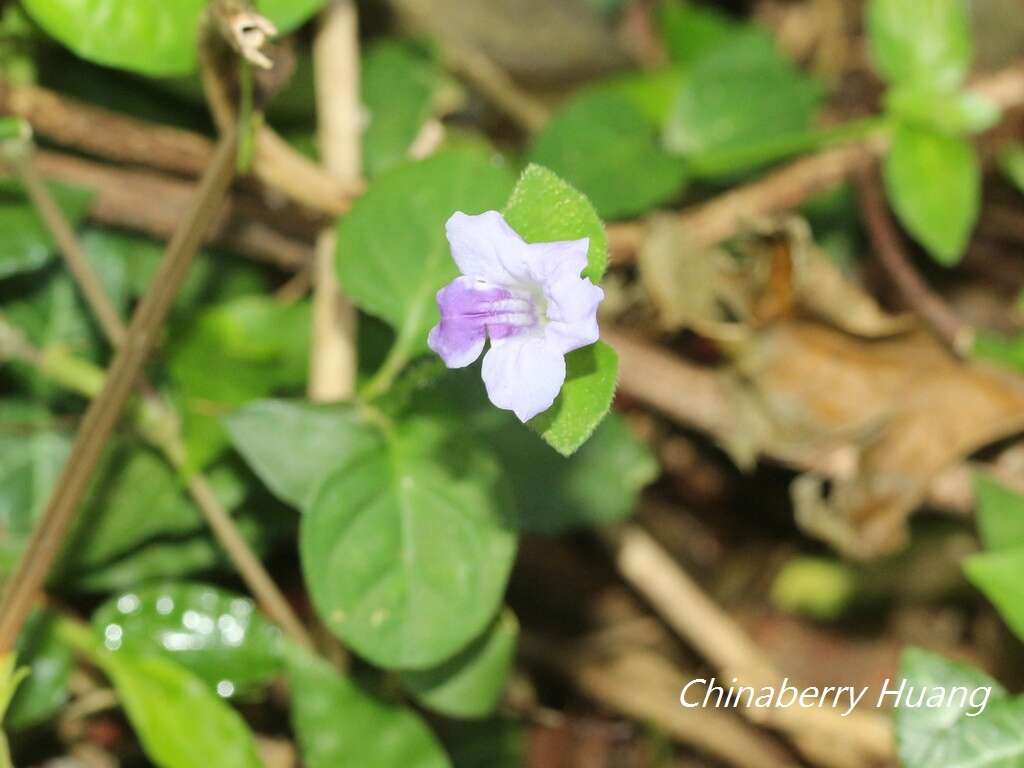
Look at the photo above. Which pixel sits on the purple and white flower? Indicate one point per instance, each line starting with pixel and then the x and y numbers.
pixel 528 298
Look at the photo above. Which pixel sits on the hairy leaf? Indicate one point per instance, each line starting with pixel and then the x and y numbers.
pixel 544 208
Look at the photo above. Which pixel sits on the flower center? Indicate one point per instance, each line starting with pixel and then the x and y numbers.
pixel 512 315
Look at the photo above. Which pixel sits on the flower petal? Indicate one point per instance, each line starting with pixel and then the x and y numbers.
pixel 523 374
pixel 463 304
pixel 486 247
pixel 555 260
pixel 572 312
pixel 457 347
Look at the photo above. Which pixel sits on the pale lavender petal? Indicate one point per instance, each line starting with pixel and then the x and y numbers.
pixel 486 247
pixel 552 261
pixel 523 374
pixel 572 312
pixel 465 306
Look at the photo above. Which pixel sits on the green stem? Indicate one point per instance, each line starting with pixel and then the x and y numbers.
pixel 70 372
pixel 397 358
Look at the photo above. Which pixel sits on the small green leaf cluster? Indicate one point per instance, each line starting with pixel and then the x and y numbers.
pixel 726 103
pixel 932 173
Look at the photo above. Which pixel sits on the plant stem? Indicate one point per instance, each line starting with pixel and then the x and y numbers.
pixel 159 423
pixel 103 412
pixel 385 376
pixel 885 236
pixel 74 255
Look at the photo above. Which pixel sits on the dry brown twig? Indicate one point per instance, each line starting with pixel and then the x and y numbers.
pixel 336 61
pixel 821 734
pixel 123 198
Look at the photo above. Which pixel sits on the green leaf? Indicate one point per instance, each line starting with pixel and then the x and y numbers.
pixel 179 720
pixel 340 724
pixel 48 661
pixel 1000 514
pixel 606 147
pixel 543 208
pixel 598 485
pixel 469 685
pixel 691 32
pixel 217 635
pixel 399 83
pixel 124 262
pixel 653 92
pixel 743 95
pixel 48 309
pixel 1011 161
pixel 998 575
pixel 151 37
pixel 27 243
pixel 176 558
pixel 31 458
pixel 952 112
pixel 554 494
pixel 934 184
pixel 923 43
pixel 956 734
pixel 135 498
pixel 591 376
pixel 294 446
pixel 242 349
pixel 406 557
pixel 392 252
